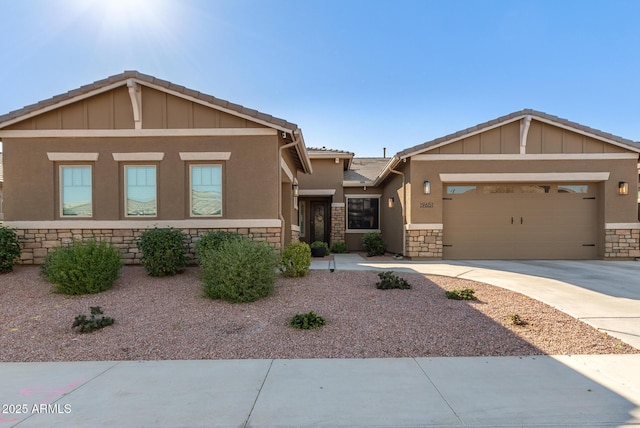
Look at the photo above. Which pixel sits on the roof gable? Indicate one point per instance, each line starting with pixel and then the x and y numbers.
pixel 132 80
pixel 523 115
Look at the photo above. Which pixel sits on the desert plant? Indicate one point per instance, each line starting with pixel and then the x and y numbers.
pixel 211 241
pixel 307 321
pixel 339 248
pixel 9 249
pixel 296 259
pixel 87 325
pixel 164 251
pixel 373 244
pixel 516 320
pixel 82 268
pixel 240 270
pixel 389 280
pixel 463 294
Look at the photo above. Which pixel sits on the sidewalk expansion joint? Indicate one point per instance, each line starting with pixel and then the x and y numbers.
pixel 440 393
pixel 253 406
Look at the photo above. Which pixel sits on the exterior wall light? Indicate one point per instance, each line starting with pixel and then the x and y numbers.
pixel 391 202
pixel 427 188
pixel 296 189
pixel 623 188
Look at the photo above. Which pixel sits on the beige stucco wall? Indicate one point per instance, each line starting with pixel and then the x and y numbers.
pixel 32 191
pixel 326 175
pixel 618 209
pixel 391 220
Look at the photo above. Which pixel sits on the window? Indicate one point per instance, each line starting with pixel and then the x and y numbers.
pixel 573 188
pixel 76 191
pixel 140 191
pixel 456 190
pixel 363 213
pixel 206 190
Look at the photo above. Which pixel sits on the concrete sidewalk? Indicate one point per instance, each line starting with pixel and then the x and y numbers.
pixel 541 391
pixel 533 391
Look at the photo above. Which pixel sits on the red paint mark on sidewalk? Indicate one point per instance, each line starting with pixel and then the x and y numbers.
pixel 51 393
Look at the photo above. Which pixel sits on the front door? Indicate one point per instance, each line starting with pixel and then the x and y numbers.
pixel 319 221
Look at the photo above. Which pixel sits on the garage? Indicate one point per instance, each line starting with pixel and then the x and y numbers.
pixel 520 220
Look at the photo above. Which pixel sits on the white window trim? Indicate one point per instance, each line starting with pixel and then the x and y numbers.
pixel 72 156
pixel 126 186
pixel 191 189
pixel 135 157
pixel 367 196
pixel 205 156
pixel 61 193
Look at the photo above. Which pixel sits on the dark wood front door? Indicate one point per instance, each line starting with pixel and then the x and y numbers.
pixel 320 222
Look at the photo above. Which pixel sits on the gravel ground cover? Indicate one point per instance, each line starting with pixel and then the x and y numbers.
pixel 167 318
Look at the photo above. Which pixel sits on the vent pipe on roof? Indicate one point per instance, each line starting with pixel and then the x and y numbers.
pixel 384 152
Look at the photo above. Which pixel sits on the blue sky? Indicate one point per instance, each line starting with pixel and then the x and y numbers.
pixel 354 75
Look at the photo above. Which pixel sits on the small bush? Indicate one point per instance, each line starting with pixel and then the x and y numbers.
pixel 9 249
pixel 164 251
pixel 339 248
pixel 516 320
pixel 319 249
pixel 389 280
pixel 85 325
pixel 82 268
pixel 240 270
pixel 296 259
pixel 464 294
pixel 211 241
pixel 373 244
pixel 307 321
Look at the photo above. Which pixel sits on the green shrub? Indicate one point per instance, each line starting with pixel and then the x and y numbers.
pixel 9 249
pixel 82 268
pixel 516 320
pixel 296 259
pixel 85 325
pixel 373 244
pixel 164 251
pixel 316 245
pixel 307 321
pixel 339 248
pixel 240 270
pixel 464 294
pixel 211 241
pixel 389 280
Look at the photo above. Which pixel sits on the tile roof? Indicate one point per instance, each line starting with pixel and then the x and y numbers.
pixel 513 116
pixel 365 170
pixel 324 151
pixel 144 78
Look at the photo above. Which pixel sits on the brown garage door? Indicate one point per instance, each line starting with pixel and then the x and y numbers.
pixel 520 221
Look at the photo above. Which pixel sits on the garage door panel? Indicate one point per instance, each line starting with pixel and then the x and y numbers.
pixel 512 222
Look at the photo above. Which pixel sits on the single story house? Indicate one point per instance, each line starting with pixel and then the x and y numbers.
pixel 131 152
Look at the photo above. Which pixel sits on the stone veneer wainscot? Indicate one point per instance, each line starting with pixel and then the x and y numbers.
pixel 36 243
pixel 622 243
pixel 423 243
